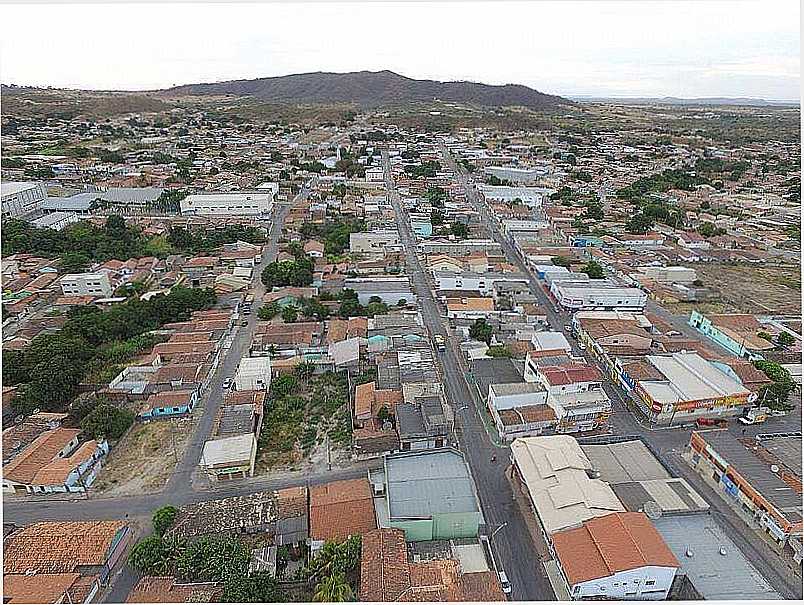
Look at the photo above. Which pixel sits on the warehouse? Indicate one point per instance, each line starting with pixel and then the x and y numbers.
pixel 597 295
pixel 228 204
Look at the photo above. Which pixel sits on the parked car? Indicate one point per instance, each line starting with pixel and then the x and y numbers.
pixel 712 422
pixel 673 333
pixel 506 585
pixel 227 383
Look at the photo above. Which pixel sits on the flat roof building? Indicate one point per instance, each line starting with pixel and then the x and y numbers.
pixel 259 204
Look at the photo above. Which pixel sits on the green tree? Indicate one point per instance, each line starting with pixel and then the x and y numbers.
pixel 561 261
pixel 154 556
pixel 706 229
pixel 213 559
pixel 74 262
pixel 785 339
pixel 481 330
pixel 594 270
pixel 268 311
pixel 334 589
pixel 499 351
pixel 107 421
pixel 257 587
pixel 290 314
pixel 776 394
pixel 163 519
pixel 459 230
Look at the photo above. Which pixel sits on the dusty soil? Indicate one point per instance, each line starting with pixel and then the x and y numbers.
pixel 144 459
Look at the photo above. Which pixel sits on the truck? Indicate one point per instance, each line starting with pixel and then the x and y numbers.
pixel 755 416
pixel 440 343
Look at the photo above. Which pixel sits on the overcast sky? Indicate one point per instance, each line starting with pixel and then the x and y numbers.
pixel 690 48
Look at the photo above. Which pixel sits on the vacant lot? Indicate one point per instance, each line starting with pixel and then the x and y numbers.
pixel 144 459
pixel 751 289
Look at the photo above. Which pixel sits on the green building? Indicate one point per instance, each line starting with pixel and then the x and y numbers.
pixel 429 494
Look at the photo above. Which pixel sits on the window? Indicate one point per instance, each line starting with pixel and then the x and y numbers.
pixel 650 582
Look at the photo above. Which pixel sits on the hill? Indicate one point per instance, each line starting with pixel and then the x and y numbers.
pixel 370 89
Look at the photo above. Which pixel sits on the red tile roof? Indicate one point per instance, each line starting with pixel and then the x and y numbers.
pixel 561 375
pixel 341 509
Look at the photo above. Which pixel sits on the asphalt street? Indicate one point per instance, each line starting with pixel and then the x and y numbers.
pixel 514 550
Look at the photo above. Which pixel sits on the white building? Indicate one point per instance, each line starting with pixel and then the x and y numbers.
pixel 230 458
pixel 229 204
pixel 516 175
pixel 475 282
pixel 597 294
pixel 20 199
pixel 669 275
pixel 530 196
pixel 390 290
pixel 253 374
pixel 56 220
pixel 86 284
pixel 367 242
pixel 620 556
pixel 375 174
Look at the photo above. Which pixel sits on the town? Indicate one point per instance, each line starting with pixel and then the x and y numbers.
pixel 386 355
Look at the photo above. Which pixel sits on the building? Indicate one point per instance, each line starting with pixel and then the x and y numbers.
pixel 375 174
pixel 55 220
pixel 80 203
pixel 392 570
pixel 470 281
pixel 62 561
pixel 760 478
pixel 55 461
pixel 423 424
pixel 429 494
pixel 617 556
pixel 86 284
pixel 560 483
pixel 682 387
pixel 230 457
pixel 520 409
pixel 459 249
pixel 390 290
pixel 340 509
pixel 258 204
pixel 167 589
pixel 372 242
pixel 597 294
pixel 737 333
pixel 20 199
pixel 253 374
pixel 669 275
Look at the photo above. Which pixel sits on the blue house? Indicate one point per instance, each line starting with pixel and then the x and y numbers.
pixel 169 404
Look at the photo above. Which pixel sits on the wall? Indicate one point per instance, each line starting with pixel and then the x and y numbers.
pixel 630 585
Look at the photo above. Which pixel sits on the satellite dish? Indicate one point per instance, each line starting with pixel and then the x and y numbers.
pixel 652 510
pixel 774 468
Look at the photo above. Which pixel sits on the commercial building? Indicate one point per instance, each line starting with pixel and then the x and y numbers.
pixel 679 388
pixel 474 282
pixel 80 203
pixel 430 495
pixel 55 220
pixel 560 483
pixel 760 478
pixel 458 249
pixel 229 457
pixel 597 294
pixel 669 275
pixel 21 199
pixel 86 284
pixel 258 204
pixel 618 556
pixel 737 333
pixel 390 290
pixel 253 374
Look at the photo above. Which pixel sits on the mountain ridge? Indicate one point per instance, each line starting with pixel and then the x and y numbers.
pixel 370 88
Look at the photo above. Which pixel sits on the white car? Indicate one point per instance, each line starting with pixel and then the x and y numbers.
pixel 227 383
pixel 506 585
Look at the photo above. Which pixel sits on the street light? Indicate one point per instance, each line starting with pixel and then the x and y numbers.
pixel 491 537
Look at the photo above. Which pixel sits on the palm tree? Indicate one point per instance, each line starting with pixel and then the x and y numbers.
pixel 334 589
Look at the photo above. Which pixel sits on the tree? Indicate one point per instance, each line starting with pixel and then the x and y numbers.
pixel 499 351
pixel 107 421
pixel 74 262
pixel 258 587
pixel 384 415
pixel 459 230
pixel 154 556
pixel 561 261
pixel 334 589
pixel 785 339
pixel 163 519
pixel 213 559
pixel 594 270
pixel 290 314
pixel 268 311
pixel 481 330
pixel 775 395
pixel 706 229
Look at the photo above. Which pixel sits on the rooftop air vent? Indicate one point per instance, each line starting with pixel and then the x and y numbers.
pixel 689 554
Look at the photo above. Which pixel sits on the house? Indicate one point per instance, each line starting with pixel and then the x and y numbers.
pixel 168 404
pixel 617 556
pixel 253 373
pixel 369 242
pixel 229 457
pixel 428 494
pixel 55 462
pixel 375 174
pixel 340 509
pixel 314 249
pixel 86 284
pixel 693 241
pixel 166 589
pixel 738 333
pixel 388 574
pixel 62 561
pixel 424 424
pixel 469 308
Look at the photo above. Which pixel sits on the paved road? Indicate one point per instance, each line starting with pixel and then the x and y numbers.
pixel 514 550
pixel 667 443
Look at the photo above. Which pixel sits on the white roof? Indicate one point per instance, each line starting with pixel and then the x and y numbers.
pixel 555 472
pixel 689 378
pixel 12 187
pixel 254 366
pixel 550 341
pixel 227 450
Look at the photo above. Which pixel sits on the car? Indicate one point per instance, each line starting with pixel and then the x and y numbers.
pixel 227 383
pixel 244 323
pixel 506 585
pixel 674 333
pixel 715 422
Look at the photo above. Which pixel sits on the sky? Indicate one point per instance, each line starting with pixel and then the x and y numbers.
pixel 687 48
